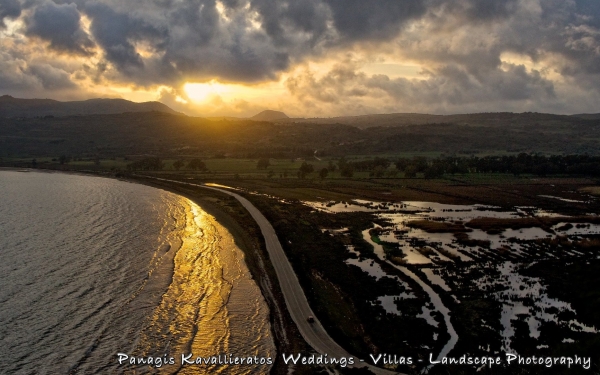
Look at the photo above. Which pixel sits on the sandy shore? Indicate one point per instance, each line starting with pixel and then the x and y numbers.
pixel 247 236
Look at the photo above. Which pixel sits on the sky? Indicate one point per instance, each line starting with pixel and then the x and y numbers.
pixel 308 58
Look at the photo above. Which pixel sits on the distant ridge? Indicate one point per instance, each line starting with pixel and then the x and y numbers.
pixel 588 116
pixel 487 119
pixel 15 107
pixel 269 115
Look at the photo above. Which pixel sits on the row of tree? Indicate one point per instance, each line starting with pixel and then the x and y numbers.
pixel 523 163
pixel 156 164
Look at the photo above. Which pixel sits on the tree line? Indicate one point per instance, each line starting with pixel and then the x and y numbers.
pixel 523 163
pixel 156 164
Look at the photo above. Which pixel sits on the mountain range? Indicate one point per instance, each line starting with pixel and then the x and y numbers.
pixel 15 107
pixel 11 107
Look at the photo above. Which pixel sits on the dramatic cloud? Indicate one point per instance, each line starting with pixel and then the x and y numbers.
pixel 18 76
pixel 117 32
pixel 358 20
pixel 61 26
pixel 13 74
pixel 446 89
pixel 472 54
pixel 50 77
pixel 9 9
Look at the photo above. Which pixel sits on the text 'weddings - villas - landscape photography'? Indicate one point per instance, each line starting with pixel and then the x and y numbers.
pixel 299 187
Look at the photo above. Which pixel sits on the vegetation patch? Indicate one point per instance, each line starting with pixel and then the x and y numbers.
pixel 593 190
pixel 495 225
pixel 463 239
pixel 431 226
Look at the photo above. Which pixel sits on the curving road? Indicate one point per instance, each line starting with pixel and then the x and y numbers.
pixel 297 304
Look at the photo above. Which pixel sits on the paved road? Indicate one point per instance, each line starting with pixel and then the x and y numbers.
pixel 314 333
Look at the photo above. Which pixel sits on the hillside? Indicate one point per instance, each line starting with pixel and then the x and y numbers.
pixel 15 107
pixel 497 119
pixel 172 135
pixel 588 116
pixel 269 115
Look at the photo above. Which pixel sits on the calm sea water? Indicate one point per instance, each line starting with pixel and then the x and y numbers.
pixel 92 267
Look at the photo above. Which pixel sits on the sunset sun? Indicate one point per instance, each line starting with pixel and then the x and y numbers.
pixel 200 92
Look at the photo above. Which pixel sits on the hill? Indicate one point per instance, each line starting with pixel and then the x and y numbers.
pixel 492 119
pixel 269 115
pixel 169 135
pixel 15 107
pixel 588 116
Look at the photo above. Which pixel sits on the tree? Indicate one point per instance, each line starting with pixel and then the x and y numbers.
pixel 147 164
pixel 410 172
pixel 263 163
pixel 401 164
pixel 305 169
pixel 323 173
pixel 392 172
pixel 420 163
pixel 347 170
pixel 178 164
pixel 196 165
pixel 379 171
pixel 342 162
pixel 381 162
pixel 435 171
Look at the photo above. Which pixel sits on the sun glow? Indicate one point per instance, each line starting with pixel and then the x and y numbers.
pixel 200 92
pixel 204 92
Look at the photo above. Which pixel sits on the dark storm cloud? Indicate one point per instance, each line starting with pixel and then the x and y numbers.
pixel 358 19
pixel 484 10
pixel 283 20
pixel 252 40
pixel 192 40
pixel 61 26
pixel 51 78
pixel 199 46
pixel 115 32
pixel 13 75
pixel 579 38
pixel 590 8
pixel 9 9
pixel 21 77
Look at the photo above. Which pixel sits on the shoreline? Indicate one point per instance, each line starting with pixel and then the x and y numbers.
pixel 285 333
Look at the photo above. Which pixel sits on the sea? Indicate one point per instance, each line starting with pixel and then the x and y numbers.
pixel 100 276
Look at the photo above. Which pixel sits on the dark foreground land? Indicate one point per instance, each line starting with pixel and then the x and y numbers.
pixel 319 244
pixel 344 297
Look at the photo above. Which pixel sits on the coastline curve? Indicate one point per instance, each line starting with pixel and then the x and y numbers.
pixel 312 332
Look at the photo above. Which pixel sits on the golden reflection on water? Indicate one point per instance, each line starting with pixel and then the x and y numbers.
pixel 212 306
